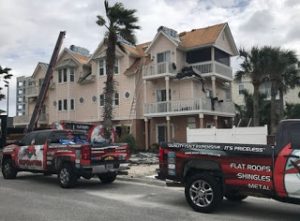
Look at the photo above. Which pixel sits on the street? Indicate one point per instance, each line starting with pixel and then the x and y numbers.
pixel 35 197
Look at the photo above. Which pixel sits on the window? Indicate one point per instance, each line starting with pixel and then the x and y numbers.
pixel 20 99
pixel 102 100
pixel 116 67
pixel 191 122
pixel 199 55
pixel 161 95
pixel 163 57
pixel 59 76
pixel 71 74
pixel 222 57
pixel 20 91
pixel 72 104
pixel 241 88
pixel 65 76
pixel 41 80
pixel 20 84
pixel 116 99
pixel 102 67
pixel 208 93
pixel 60 105
pixel 228 95
pixel 65 104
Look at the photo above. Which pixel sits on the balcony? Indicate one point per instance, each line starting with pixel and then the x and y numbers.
pixel 220 70
pixel 158 70
pixel 188 107
pixel 32 91
pixel 24 120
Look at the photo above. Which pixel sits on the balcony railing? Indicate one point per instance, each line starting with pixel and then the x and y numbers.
pixel 208 67
pixel 166 68
pixel 189 106
pixel 24 119
pixel 158 70
pixel 32 91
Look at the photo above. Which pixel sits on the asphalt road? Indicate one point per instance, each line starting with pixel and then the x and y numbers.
pixel 35 197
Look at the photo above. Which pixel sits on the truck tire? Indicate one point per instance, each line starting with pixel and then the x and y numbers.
pixel 8 169
pixel 235 196
pixel 203 193
pixel 66 176
pixel 107 177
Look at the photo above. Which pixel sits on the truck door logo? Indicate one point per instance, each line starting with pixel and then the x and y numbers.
pixel 30 151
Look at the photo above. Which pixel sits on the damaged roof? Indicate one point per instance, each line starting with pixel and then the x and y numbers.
pixel 201 36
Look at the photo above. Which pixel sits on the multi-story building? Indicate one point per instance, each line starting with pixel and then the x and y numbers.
pixel 292 95
pixel 27 92
pixel 148 98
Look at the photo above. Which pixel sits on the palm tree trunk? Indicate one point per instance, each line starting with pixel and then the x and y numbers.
pixel 273 108
pixel 281 108
pixel 256 115
pixel 109 84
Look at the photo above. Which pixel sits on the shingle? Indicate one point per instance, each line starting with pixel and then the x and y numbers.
pixel 201 36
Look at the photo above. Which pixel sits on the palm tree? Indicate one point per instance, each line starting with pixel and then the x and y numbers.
pixel 6 76
pixel 283 76
pixel 253 67
pixel 120 23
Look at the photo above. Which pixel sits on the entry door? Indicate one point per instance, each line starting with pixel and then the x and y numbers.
pixel 161 133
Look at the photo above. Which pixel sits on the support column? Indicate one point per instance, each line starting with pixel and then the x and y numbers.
pixel 168 129
pixel 216 121
pixel 167 92
pixel 146 133
pixel 213 83
pixel 213 60
pixel 145 92
pixel 201 118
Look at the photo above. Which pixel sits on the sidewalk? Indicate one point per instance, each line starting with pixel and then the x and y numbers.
pixel 143 169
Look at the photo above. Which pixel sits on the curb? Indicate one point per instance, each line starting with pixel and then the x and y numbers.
pixel 143 180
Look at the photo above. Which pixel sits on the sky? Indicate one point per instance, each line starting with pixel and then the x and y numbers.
pixel 29 28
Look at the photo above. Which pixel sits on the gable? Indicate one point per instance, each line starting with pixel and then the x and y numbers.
pixel 161 44
pixel 159 37
pixel 226 42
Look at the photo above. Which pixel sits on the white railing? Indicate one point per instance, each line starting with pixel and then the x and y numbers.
pixel 223 69
pixel 32 91
pixel 204 105
pixel 158 69
pixel 203 67
pixel 24 119
pixel 209 67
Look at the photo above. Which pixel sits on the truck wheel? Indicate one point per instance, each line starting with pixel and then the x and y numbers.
pixel 8 169
pixel 66 176
pixel 107 177
pixel 235 196
pixel 203 193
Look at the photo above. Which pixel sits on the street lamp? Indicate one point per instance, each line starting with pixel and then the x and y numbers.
pixel 7 95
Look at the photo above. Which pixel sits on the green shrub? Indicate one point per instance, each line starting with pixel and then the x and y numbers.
pixel 129 139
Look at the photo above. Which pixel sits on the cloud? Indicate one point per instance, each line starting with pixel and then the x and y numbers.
pixel 29 29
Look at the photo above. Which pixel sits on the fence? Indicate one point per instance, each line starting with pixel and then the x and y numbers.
pixel 245 135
